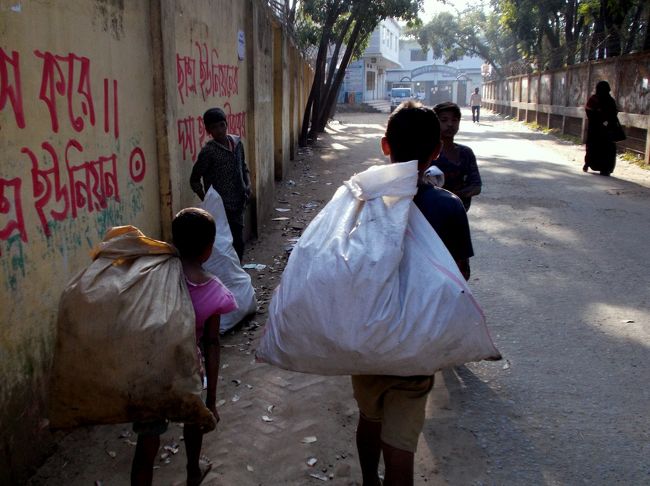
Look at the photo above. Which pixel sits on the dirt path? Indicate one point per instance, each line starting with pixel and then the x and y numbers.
pixel 561 262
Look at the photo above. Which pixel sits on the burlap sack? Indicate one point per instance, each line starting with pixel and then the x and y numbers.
pixel 126 345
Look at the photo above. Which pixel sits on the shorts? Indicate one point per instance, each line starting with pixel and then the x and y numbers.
pixel 151 427
pixel 397 402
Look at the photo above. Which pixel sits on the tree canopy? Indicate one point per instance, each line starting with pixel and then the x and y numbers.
pixel 340 29
pixel 524 35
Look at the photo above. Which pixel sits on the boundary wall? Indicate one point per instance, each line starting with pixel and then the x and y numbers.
pixel 556 99
pixel 100 123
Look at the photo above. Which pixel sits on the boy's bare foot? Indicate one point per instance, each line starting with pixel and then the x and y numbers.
pixel 197 478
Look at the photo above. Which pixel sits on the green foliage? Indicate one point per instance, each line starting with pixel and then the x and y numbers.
pixel 523 35
pixel 472 32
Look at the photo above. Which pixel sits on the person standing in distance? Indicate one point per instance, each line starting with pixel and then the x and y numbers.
pixel 475 103
pixel 221 164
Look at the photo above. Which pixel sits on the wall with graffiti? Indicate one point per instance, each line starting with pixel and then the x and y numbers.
pixel 78 156
pixel 101 105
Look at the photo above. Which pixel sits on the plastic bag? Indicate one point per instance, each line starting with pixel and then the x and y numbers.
pixel 224 263
pixel 126 344
pixel 371 289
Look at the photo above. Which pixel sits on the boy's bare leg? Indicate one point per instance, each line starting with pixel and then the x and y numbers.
pixel 145 455
pixel 369 448
pixel 399 466
pixel 193 440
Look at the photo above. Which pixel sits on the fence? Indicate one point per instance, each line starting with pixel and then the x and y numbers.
pixel 556 99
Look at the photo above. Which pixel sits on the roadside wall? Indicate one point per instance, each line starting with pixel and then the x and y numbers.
pixel 100 123
pixel 556 99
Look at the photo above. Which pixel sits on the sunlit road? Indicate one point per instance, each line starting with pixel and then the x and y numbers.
pixel 561 269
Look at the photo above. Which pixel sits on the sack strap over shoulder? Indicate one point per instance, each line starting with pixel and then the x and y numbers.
pixel 395 180
pixel 129 242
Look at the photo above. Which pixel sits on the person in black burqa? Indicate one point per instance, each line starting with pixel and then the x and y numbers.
pixel 601 119
pixel 221 164
pixel 391 408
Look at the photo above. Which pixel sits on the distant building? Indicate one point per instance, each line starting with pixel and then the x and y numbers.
pixel 365 79
pixel 432 80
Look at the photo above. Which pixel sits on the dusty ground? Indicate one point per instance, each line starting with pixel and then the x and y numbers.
pixel 561 270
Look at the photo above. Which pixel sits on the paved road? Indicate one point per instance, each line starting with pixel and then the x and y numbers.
pixel 561 269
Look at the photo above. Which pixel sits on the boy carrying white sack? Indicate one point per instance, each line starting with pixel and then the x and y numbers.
pixel 371 291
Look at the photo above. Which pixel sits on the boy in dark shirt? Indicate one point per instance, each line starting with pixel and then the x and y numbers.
pixel 221 164
pixel 391 408
pixel 457 161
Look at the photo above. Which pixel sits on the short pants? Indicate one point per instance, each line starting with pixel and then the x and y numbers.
pixel 397 402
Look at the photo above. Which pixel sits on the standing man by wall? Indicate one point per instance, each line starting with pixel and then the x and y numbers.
pixel 475 103
pixel 221 164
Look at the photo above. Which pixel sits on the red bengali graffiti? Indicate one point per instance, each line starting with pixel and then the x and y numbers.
pixel 186 76
pixel 51 199
pixel 91 182
pixel 88 184
pixel 137 165
pixel 236 121
pixel 203 134
pixel 187 137
pixel 69 77
pixel 107 109
pixel 214 78
pixel 11 209
pixel 10 86
pixel 190 141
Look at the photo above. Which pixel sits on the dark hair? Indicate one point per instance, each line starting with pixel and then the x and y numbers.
pixel 413 132
pixel 447 106
pixel 212 116
pixel 193 230
pixel 602 88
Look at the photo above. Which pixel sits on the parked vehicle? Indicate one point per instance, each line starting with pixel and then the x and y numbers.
pixel 398 95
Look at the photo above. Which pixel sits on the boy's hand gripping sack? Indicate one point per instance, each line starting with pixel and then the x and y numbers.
pixel 126 344
pixel 371 289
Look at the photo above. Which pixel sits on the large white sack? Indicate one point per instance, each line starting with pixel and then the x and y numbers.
pixel 371 289
pixel 224 263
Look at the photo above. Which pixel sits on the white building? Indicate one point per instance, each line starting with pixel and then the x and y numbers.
pixel 432 79
pixel 365 79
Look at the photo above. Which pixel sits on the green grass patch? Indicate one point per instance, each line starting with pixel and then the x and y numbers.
pixel 634 158
pixel 556 132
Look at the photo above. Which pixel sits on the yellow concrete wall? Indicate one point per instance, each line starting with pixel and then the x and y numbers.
pixel 100 124
pixel 260 95
pixel 281 101
pixel 78 156
pixel 203 70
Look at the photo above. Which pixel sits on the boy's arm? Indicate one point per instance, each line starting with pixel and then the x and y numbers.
pixel 245 172
pixel 212 355
pixel 473 182
pixel 463 266
pixel 197 173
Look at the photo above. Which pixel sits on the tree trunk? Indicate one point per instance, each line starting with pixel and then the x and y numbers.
pixel 314 93
pixel 340 74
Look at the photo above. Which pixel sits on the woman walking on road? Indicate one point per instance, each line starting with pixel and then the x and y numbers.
pixel 602 124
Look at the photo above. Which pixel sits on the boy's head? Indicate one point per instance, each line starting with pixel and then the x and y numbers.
pixel 449 116
pixel 476 90
pixel 216 123
pixel 412 133
pixel 447 106
pixel 193 233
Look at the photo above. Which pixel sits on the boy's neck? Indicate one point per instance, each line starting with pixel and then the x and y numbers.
pixel 447 143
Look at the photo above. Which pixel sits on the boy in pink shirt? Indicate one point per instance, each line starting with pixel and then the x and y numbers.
pixel 193 233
